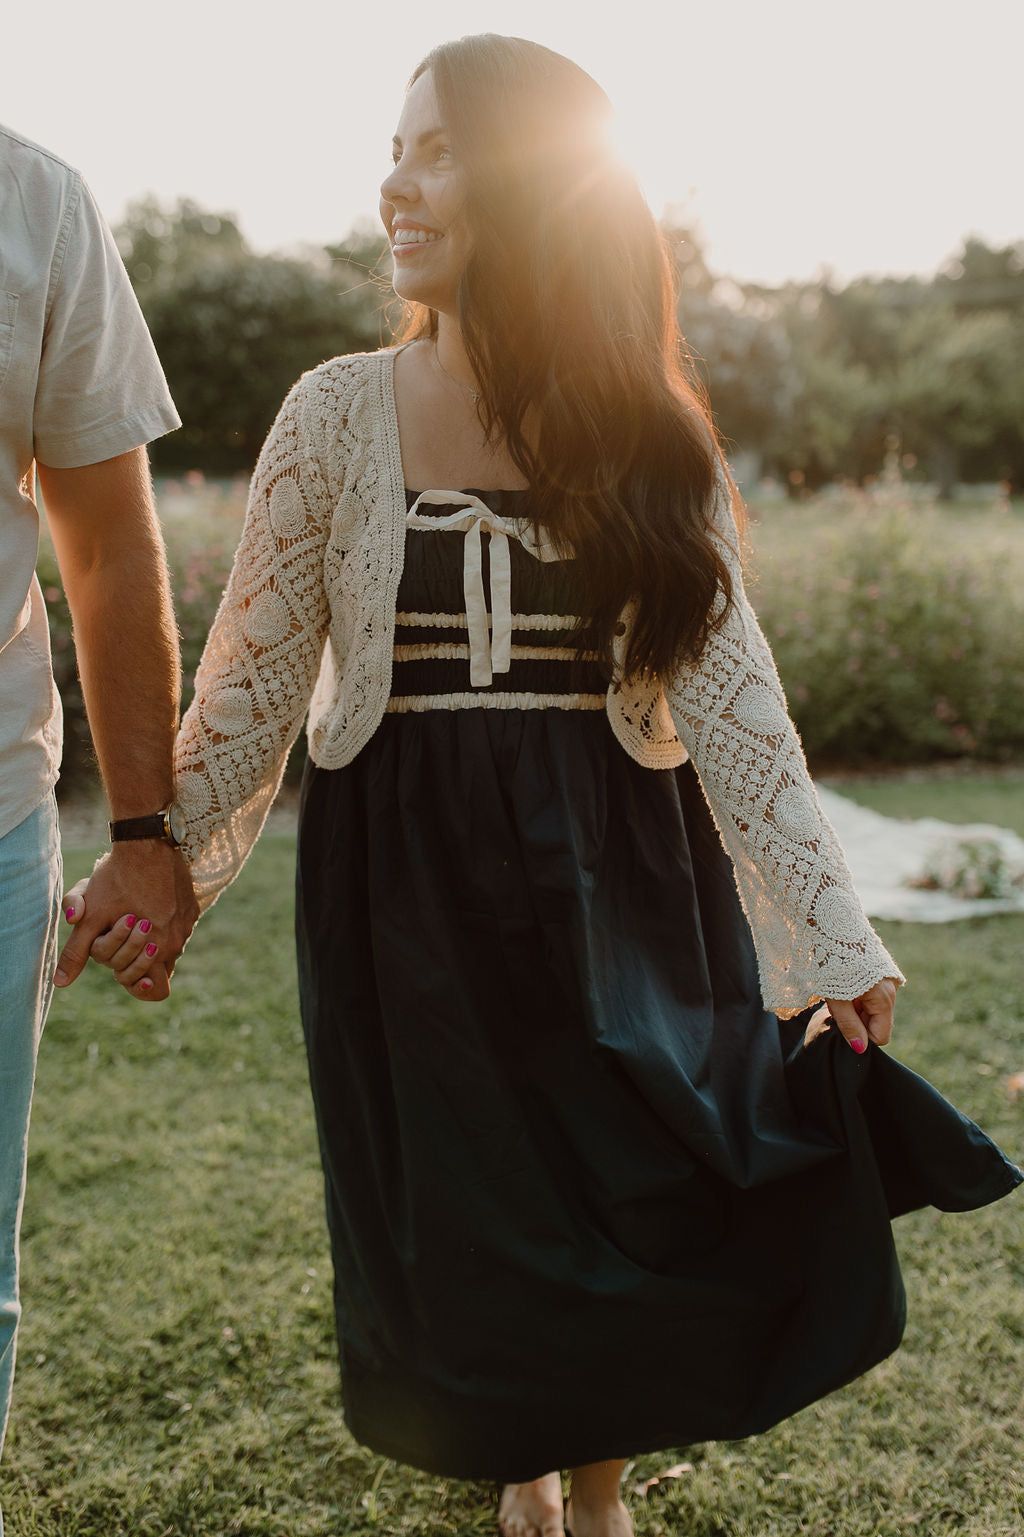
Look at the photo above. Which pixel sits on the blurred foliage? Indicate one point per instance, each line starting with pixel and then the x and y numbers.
pixel 815 381
pixel 821 381
pixel 78 763
pixel 234 329
pixel 895 625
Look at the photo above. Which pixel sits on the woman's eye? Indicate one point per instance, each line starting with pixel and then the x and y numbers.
pixel 444 153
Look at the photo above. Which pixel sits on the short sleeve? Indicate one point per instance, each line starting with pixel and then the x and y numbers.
pixel 101 390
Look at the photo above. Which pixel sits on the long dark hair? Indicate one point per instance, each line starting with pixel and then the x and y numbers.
pixel 567 312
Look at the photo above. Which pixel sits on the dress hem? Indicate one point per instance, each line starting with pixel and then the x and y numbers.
pixel 526 1467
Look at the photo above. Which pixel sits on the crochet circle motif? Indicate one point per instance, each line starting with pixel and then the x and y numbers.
pixel 287 509
pixel 229 711
pixel 795 813
pixel 267 619
pixel 192 792
pixel 838 914
pixel 759 710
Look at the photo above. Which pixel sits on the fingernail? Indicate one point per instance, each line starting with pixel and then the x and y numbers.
pixel 145 926
pixel 151 950
pixel 69 913
pixel 60 979
pixel 859 1046
pixel 145 984
pixel 129 921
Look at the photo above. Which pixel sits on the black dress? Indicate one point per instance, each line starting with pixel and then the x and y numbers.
pixel 586 1198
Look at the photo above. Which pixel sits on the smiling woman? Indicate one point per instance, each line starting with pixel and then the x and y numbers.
pixel 582 390
pixel 601 1175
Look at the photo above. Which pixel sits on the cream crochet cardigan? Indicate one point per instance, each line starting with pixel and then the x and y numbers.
pixel 306 624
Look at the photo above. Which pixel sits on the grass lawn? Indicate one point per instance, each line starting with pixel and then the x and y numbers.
pixel 996 796
pixel 177 1363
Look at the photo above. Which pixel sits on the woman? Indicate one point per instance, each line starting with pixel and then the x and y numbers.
pixel 586 1196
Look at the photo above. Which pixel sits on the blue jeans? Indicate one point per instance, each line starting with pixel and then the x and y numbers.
pixel 30 890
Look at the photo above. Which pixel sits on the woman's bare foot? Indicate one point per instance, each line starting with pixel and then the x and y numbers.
pixel 595 1509
pixel 608 1521
pixel 532 1510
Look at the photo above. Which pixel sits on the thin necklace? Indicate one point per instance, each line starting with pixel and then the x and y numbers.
pixel 462 386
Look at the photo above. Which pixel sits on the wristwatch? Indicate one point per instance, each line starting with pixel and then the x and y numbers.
pixel 168 824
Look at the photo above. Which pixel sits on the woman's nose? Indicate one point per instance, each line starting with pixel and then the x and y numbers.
pixel 398 186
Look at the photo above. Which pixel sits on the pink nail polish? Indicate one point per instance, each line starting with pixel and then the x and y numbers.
pixel 129 921
pixel 151 949
pixel 69 913
pixel 859 1046
pixel 145 984
pixel 145 926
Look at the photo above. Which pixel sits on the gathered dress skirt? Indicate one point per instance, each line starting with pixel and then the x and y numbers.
pixel 586 1197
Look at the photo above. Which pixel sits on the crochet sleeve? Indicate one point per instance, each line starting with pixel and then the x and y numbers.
pixel 813 938
pixel 261 660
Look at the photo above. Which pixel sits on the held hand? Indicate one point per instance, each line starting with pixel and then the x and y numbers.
pixel 126 949
pixel 867 1018
pixel 147 883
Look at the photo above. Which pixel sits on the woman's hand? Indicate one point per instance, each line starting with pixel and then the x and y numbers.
pixel 125 949
pixel 867 1018
pixel 148 878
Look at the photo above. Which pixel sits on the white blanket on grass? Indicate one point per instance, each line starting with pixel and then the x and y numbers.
pixel 884 853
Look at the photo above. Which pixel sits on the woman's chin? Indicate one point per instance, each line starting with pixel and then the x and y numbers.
pixel 415 288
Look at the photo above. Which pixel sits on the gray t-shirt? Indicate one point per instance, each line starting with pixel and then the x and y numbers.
pixel 80 382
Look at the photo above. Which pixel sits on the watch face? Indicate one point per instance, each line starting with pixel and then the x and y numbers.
pixel 176 822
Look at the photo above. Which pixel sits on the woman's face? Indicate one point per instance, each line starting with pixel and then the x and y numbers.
pixel 421 204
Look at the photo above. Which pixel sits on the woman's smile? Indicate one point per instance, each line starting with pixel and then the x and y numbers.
pixel 409 239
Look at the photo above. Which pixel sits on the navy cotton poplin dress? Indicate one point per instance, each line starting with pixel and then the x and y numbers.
pixel 586 1198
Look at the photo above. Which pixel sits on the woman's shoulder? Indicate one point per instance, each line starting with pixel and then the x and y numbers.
pixel 331 391
pixel 347 371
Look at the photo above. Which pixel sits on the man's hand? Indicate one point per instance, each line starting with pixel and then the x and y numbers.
pixel 143 882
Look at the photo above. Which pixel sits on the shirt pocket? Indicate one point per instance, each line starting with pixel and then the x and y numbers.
pixel 8 316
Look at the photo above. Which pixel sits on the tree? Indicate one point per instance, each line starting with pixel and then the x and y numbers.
pixel 958 396
pixel 234 330
pixel 983 277
pixel 161 247
pixel 738 355
pixel 933 364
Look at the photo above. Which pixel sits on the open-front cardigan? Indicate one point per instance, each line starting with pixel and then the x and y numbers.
pixel 306 624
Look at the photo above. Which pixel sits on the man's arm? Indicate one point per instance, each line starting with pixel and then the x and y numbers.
pixel 111 555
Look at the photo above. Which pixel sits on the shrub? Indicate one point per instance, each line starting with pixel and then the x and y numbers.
pixel 971 868
pixel 896 626
pixel 202 521
pixel 78 765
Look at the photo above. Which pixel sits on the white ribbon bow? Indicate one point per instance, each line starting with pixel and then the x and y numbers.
pixel 490 650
